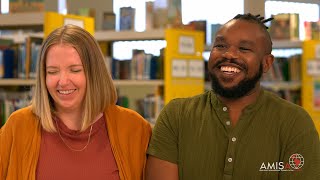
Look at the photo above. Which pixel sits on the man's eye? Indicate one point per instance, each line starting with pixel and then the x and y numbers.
pixel 244 49
pixel 219 46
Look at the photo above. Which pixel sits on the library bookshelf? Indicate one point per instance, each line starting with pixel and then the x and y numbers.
pixel 163 89
pixel 134 89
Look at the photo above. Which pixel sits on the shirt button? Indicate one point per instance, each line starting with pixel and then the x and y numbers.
pixel 228 123
pixel 230 160
pixel 233 139
pixel 224 108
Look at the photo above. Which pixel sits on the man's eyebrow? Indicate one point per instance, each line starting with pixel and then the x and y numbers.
pixel 246 42
pixel 219 38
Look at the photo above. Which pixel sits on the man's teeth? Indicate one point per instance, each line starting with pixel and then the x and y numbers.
pixel 229 69
pixel 66 92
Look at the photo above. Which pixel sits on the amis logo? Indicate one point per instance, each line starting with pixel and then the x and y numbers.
pixel 295 163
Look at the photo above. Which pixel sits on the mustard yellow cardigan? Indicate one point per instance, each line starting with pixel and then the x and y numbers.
pixel 20 139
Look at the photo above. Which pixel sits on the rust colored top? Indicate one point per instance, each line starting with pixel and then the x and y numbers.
pixel 58 161
pixel 20 140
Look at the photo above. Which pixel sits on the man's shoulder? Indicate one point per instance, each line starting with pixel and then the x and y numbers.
pixel 288 112
pixel 283 105
pixel 193 100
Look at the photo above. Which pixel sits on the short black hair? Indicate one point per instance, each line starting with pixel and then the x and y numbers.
pixel 259 20
pixel 254 18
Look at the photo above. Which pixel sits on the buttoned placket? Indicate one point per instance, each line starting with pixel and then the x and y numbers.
pixel 230 154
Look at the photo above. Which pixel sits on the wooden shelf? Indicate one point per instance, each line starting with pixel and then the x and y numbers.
pixel 20 38
pixel 99 35
pixel 157 34
pixel 17 82
pixel 20 20
pixel 285 44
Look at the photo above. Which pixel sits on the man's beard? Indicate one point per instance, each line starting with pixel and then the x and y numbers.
pixel 240 90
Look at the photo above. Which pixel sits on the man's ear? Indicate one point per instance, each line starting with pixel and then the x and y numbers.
pixel 267 62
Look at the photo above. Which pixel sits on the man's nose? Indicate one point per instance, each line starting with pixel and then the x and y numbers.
pixel 231 53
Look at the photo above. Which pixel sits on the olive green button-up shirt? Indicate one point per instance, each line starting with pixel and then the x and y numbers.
pixel 273 139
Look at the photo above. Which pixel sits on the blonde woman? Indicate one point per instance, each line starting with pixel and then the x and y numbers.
pixel 73 129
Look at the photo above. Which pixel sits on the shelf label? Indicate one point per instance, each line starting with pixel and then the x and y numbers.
pixel 196 68
pixel 76 22
pixel 313 67
pixel 179 68
pixel 186 45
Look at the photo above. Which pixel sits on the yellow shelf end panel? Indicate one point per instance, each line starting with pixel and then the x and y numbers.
pixel 183 64
pixel 311 80
pixel 55 20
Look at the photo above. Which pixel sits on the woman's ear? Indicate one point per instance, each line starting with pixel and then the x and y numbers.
pixel 267 62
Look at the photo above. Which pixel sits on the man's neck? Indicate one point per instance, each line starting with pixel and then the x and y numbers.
pixel 235 106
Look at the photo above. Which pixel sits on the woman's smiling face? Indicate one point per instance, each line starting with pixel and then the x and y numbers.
pixel 65 77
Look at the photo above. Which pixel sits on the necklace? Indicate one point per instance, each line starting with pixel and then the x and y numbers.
pixel 78 150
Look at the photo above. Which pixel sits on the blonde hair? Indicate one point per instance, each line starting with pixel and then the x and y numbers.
pixel 100 90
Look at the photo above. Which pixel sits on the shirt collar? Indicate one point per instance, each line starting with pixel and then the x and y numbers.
pixel 218 105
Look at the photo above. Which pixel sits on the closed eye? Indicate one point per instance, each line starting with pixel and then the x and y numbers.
pixel 76 70
pixel 219 46
pixel 244 49
pixel 52 72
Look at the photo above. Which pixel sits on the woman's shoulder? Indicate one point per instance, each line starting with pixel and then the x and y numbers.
pixel 125 115
pixel 25 111
pixel 20 123
pixel 23 117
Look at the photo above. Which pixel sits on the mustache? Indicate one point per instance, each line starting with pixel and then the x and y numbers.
pixel 233 61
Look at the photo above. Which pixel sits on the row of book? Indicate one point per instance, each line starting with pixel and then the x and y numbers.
pixel 142 66
pixel 148 107
pixel 159 14
pixel 19 60
pixel 284 69
pixel 17 6
pixel 312 30
pixel 293 96
pixel 163 14
pixel 11 101
pixel 285 26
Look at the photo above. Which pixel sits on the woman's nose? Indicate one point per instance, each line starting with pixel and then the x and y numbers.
pixel 64 79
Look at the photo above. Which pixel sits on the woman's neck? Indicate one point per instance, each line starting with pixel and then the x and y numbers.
pixel 73 120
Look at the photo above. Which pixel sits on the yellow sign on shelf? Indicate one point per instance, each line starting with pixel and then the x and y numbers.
pixel 311 80
pixel 55 20
pixel 184 64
